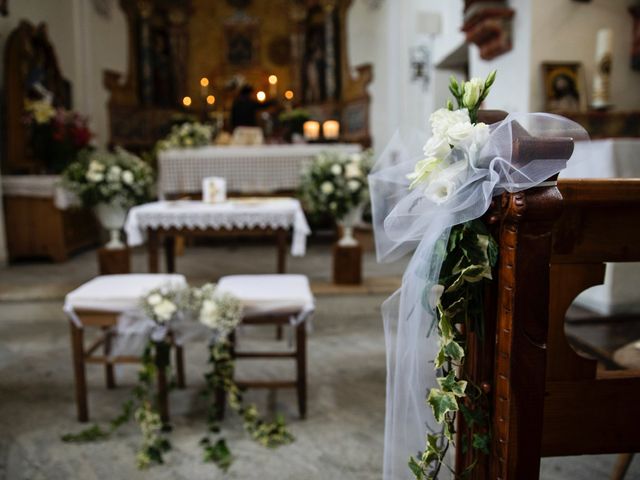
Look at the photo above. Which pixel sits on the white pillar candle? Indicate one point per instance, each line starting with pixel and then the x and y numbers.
pixel 331 129
pixel 311 130
pixel 603 60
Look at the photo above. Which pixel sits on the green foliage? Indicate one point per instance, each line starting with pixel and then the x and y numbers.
pixel 220 378
pixel 471 253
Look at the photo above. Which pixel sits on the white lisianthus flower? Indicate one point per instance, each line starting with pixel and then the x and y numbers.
pixel 353 170
pixel 127 177
pixel 336 169
pixel 443 119
pixel 154 299
pixel 473 90
pixel 209 314
pixel 113 174
pixel 164 310
pixel 460 134
pixel 327 188
pixel 437 147
pixel 443 186
pixel 353 185
pixel 424 169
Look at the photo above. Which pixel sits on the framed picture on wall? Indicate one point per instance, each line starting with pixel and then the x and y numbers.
pixel 564 87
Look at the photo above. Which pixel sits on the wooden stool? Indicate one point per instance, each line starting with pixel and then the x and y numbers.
pixel 274 300
pixel 98 303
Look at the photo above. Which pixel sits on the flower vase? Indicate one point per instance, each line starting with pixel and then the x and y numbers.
pixel 112 217
pixel 348 222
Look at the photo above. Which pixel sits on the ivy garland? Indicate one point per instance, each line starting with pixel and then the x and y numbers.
pixel 222 314
pixel 470 253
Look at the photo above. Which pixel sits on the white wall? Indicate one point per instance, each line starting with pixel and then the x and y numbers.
pixel 566 31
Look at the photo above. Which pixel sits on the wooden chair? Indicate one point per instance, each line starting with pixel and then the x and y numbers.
pixel 95 304
pixel 274 300
pixel 545 399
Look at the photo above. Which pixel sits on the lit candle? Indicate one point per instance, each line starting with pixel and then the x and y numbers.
pixel 261 96
pixel 311 130
pixel 211 99
pixel 186 101
pixel 288 95
pixel 331 129
pixel 273 86
pixel 204 86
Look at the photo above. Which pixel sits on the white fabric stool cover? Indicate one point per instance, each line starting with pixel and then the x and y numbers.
pixel 117 293
pixel 260 294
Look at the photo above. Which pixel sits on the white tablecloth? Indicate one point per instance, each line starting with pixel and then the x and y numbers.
pixel 240 214
pixel 611 158
pixel 254 169
pixel 39 186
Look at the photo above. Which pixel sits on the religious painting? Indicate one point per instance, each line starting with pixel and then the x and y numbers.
pixel 241 33
pixel 564 87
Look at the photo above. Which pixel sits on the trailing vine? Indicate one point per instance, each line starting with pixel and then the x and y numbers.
pixel 220 378
pixel 142 408
pixel 469 255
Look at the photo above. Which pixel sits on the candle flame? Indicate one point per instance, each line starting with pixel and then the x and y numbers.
pixel 273 79
pixel 288 94
pixel 261 96
pixel 186 101
pixel 211 99
pixel 204 82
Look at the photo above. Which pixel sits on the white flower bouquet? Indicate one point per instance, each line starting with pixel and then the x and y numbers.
pixel 336 183
pixel 187 135
pixel 118 177
pixel 220 312
pixel 453 151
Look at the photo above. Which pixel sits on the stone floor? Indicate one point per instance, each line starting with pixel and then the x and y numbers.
pixel 341 438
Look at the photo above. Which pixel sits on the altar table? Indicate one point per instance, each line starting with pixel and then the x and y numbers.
pixel 239 217
pixel 250 169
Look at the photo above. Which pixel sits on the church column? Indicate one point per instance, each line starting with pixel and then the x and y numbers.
pixel 298 15
pixel 179 47
pixel 145 9
pixel 330 50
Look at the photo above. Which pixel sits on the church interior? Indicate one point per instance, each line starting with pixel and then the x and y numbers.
pixel 320 239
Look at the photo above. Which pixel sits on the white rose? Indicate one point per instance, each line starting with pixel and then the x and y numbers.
pixel 355 158
pixel 96 166
pixel 164 310
pixel 336 169
pixel 443 186
pixel 94 176
pixel 327 188
pixel 437 147
pixel 443 119
pixel 209 314
pixel 472 92
pixel 460 134
pixel 154 299
pixel 127 177
pixel 113 174
pixel 424 169
pixel 353 170
pixel 353 185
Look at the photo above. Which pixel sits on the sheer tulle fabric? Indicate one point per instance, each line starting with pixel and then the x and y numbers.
pixel 406 220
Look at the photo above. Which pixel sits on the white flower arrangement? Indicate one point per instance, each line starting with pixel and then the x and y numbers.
pixel 107 177
pixel 453 150
pixel 334 183
pixel 162 304
pixel 187 135
pixel 221 312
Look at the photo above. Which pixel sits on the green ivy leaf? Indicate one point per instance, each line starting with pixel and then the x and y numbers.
pixel 470 274
pixel 441 403
pixel 415 468
pixel 453 350
pixel 451 384
pixel 481 442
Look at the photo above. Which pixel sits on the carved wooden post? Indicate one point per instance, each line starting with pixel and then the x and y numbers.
pixel 522 324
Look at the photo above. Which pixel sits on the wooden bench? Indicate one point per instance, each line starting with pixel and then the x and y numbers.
pixel 545 399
